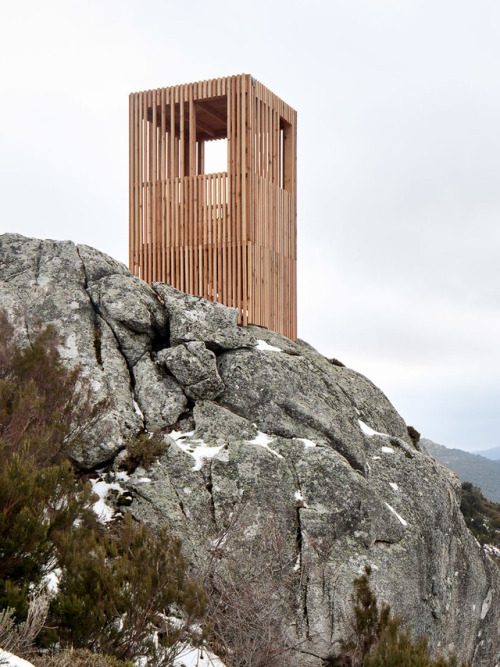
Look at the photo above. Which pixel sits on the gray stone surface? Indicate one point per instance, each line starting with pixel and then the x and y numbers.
pixel 195 318
pixel 160 398
pixel 46 282
pixel 195 368
pixel 132 310
pixel 295 451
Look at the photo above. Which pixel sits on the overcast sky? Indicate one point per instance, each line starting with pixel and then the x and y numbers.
pixel 399 165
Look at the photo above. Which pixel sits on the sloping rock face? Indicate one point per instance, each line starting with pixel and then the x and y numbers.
pixel 269 430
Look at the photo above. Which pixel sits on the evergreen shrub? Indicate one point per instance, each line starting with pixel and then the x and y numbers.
pixel 118 585
pixel 378 640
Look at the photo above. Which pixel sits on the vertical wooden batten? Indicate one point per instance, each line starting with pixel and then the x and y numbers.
pixel 228 236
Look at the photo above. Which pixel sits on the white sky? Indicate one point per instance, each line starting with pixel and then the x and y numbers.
pixel 399 165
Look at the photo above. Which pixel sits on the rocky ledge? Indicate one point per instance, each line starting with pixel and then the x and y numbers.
pixel 310 449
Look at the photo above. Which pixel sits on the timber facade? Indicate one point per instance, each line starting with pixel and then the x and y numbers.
pixel 229 236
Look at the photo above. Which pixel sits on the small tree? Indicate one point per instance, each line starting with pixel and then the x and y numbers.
pixel 378 640
pixel 118 586
pixel 43 405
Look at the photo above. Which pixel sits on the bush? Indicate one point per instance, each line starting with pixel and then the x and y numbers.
pixel 118 585
pixel 35 506
pixel 19 638
pixel 143 451
pixel 43 405
pixel 414 434
pixel 481 515
pixel 378 640
pixel 250 582
pixel 79 658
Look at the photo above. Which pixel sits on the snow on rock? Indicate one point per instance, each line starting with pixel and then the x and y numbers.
pixel 195 657
pixel 51 581
pixel 486 604
pixel 203 452
pixel 102 488
pixel 307 443
pixel 387 450
pixel 263 440
pixel 301 501
pixel 198 449
pixel 492 550
pixel 7 658
pixel 262 345
pixel 394 486
pixel 179 435
pixel 138 410
pixel 400 518
pixel 369 431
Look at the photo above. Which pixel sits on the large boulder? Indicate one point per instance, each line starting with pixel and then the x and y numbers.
pixel 45 282
pixel 194 318
pixel 195 367
pixel 268 445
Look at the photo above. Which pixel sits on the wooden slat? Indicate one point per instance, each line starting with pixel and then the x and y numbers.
pixel 228 236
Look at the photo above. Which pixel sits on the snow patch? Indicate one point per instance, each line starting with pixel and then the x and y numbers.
pixel 376 458
pixel 179 435
pixel 400 518
pixel 486 604
pixel 492 550
pixel 369 431
pixel 307 443
pixel 197 657
pixel 263 440
pixel 394 486
pixel 198 449
pixel 300 498
pixel 10 660
pixel 262 345
pixel 138 410
pixel 387 450
pixel 51 581
pixel 144 480
pixel 99 486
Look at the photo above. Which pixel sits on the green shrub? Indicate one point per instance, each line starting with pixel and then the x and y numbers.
pixel 78 658
pixel 378 640
pixel 414 434
pixel 481 515
pixel 116 585
pixel 35 506
pixel 43 405
pixel 142 451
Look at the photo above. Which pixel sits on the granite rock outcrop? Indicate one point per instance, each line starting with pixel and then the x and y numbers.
pixel 254 420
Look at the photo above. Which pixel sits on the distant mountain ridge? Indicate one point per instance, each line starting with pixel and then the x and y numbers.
pixel 481 471
pixel 492 453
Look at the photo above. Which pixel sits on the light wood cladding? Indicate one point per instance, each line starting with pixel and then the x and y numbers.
pixel 230 237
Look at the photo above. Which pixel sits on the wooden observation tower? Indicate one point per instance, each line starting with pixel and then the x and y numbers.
pixel 229 236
